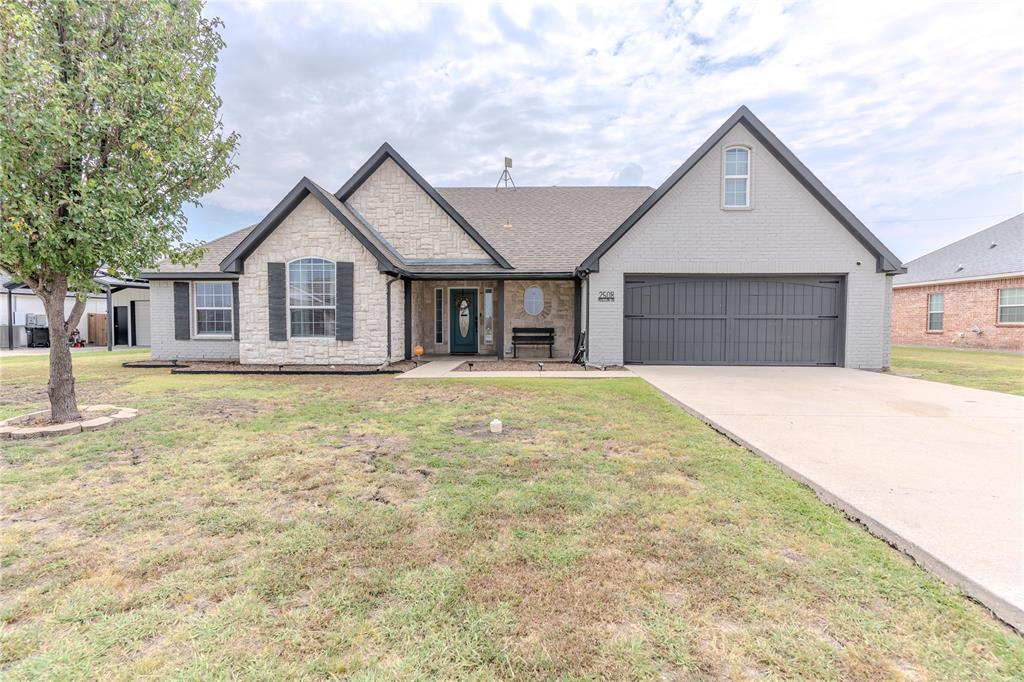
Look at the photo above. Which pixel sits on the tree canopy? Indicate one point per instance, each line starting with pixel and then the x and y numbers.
pixel 109 123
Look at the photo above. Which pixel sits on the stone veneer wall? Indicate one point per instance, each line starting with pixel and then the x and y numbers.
pixel 423 313
pixel 557 313
pixel 310 231
pixel 409 219
pixel 966 305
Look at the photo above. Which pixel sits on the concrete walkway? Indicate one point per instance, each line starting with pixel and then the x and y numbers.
pixel 444 369
pixel 935 469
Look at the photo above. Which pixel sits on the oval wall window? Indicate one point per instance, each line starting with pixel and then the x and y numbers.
pixel 533 301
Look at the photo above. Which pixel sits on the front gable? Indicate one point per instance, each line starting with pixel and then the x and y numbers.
pixel 409 220
pixel 406 212
pixel 234 262
pixel 783 192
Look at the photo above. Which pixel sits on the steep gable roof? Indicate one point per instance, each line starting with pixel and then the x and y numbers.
pixel 997 250
pixel 235 260
pixel 386 151
pixel 886 261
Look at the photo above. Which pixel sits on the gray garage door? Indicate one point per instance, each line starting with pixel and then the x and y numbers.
pixel 732 321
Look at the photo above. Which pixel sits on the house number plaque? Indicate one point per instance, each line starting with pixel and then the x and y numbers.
pixel 606 296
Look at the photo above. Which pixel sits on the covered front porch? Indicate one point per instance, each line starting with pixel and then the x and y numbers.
pixel 476 317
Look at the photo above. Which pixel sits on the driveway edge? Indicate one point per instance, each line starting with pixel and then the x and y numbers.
pixel 999 607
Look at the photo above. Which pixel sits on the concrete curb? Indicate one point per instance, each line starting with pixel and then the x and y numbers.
pixel 1000 608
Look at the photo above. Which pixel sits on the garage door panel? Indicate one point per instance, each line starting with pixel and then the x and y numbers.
pixel 700 341
pixel 737 320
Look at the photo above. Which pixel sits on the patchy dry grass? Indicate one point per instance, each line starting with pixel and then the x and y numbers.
pixel 316 527
pixel 989 370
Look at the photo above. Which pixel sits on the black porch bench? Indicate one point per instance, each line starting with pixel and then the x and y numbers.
pixel 532 336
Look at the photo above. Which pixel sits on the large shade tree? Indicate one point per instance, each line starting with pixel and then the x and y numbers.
pixel 109 123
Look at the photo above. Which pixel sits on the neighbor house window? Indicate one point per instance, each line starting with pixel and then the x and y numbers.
pixel 488 316
pixel 1011 306
pixel 213 309
pixel 438 315
pixel 533 301
pixel 737 177
pixel 311 297
pixel 935 310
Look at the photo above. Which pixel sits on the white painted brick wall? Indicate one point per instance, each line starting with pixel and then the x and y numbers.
pixel 409 219
pixel 163 345
pixel 787 231
pixel 310 231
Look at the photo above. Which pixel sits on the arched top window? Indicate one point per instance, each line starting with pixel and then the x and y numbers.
pixel 736 185
pixel 533 301
pixel 312 288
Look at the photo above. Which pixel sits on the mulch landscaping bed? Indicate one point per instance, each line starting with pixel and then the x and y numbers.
pixel 524 366
pixel 236 368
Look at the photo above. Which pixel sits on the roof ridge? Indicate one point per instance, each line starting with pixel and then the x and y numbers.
pixel 965 238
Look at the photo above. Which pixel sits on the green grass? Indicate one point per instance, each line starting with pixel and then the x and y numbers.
pixel 989 370
pixel 310 527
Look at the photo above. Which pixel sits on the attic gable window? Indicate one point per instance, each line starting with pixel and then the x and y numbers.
pixel 736 178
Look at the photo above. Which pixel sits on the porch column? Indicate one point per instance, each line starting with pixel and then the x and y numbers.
pixel 110 320
pixel 407 301
pixel 499 319
pixel 577 312
pixel 10 319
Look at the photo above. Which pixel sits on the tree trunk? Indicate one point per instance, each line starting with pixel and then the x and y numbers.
pixel 61 389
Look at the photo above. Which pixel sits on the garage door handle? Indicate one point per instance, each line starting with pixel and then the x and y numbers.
pixel 828 317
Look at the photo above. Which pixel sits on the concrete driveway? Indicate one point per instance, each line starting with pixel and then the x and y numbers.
pixel 937 470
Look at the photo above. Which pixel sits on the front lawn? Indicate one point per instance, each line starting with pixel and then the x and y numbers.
pixel 325 526
pixel 977 369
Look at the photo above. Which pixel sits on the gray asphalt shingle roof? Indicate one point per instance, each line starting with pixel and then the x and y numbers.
pixel 216 250
pixel 552 228
pixel 997 250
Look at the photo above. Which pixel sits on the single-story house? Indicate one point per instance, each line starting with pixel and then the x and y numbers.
pixel 969 293
pixel 741 256
pixel 118 316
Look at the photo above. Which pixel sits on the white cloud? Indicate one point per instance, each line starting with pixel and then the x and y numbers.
pixel 907 110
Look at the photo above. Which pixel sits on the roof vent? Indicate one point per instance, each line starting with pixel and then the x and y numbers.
pixel 959 267
pixel 992 245
pixel 506 177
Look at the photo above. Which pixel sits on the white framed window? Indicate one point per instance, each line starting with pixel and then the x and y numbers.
pixel 1011 306
pixel 488 316
pixel 438 315
pixel 533 301
pixel 936 303
pixel 212 313
pixel 312 285
pixel 736 177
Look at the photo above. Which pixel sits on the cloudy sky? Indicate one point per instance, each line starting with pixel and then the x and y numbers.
pixel 913 114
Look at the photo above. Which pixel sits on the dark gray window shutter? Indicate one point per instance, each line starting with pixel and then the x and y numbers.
pixel 234 308
pixel 343 325
pixel 182 312
pixel 277 291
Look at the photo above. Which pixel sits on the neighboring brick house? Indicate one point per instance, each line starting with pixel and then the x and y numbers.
pixel 968 294
pixel 742 256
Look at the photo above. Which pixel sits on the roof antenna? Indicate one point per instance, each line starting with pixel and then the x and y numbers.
pixel 506 177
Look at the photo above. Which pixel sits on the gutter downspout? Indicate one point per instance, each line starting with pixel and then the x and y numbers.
pixel 391 281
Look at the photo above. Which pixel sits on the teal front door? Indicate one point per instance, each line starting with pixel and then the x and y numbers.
pixel 462 305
